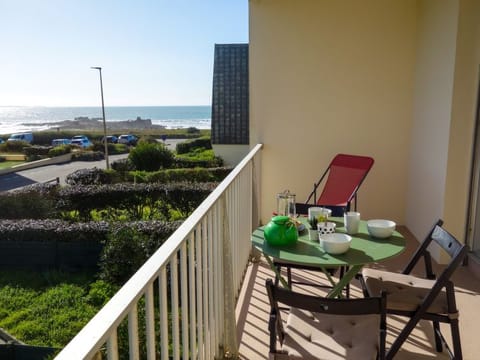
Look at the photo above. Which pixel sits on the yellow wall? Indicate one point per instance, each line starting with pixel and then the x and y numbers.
pixel 435 64
pixel 330 77
pixel 464 105
pixel 445 93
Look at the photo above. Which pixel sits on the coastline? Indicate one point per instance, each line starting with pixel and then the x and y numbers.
pixel 85 123
pixel 17 119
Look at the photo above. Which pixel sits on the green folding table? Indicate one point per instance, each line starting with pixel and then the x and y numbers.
pixel 364 250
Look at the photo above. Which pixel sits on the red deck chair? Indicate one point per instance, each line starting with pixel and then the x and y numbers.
pixel 345 175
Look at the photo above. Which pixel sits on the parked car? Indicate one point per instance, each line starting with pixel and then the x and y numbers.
pixel 112 139
pixel 77 137
pixel 128 139
pixel 58 142
pixel 1 141
pixel 27 137
pixel 84 143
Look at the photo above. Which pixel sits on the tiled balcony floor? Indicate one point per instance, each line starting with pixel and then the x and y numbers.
pixel 253 310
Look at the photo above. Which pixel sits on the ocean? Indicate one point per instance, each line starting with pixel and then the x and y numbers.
pixel 14 118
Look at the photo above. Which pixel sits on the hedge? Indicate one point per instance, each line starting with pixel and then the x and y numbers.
pixel 188 146
pixel 184 174
pixel 48 201
pixel 36 201
pixel 96 176
pixel 70 246
pixel 183 197
pixel 193 163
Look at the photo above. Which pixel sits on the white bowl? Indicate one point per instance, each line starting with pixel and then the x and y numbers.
pixel 336 243
pixel 380 228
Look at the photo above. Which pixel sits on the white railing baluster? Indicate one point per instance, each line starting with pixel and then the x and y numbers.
pixel 163 305
pixel 133 333
pixel 214 246
pixel 199 299
pixel 192 295
pixel 112 347
pixel 150 322
pixel 174 297
pixel 218 275
pixel 184 298
pixel 212 270
pixel 206 318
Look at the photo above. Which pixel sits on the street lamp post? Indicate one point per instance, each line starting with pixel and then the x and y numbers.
pixel 104 122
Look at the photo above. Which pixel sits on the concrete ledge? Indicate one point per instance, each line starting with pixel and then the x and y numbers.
pixel 33 164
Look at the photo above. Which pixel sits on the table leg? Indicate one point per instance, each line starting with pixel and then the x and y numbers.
pixel 347 277
pixel 277 273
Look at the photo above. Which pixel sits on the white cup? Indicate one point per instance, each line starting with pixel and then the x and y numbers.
pixel 352 222
pixel 325 228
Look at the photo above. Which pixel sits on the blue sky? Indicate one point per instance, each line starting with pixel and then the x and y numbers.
pixel 157 52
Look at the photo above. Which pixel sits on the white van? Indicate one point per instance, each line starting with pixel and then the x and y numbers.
pixel 27 137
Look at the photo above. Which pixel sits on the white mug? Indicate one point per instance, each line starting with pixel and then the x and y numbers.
pixel 352 222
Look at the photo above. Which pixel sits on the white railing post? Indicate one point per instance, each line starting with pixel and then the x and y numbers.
pixel 230 347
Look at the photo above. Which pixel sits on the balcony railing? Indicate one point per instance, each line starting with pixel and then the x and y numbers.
pixel 181 303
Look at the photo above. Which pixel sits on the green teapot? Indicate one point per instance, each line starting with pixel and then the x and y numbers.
pixel 281 230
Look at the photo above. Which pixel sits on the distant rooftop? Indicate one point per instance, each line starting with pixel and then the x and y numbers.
pixel 230 98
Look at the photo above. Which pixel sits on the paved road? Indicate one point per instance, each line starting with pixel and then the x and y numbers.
pixel 50 172
pixel 46 173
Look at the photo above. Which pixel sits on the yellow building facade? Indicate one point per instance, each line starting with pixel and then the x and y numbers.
pixel 396 80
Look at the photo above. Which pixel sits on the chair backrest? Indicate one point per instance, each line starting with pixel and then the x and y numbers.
pixel 456 250
pixel 345 175
pixel 332 306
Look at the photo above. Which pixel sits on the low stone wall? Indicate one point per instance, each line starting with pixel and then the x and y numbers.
pixel 33 164
pixel 13 157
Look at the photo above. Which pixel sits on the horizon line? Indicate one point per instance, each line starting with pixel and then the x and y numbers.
pixel 105 105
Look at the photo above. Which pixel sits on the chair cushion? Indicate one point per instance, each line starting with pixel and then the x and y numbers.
pixel 404 292
pixel 318 336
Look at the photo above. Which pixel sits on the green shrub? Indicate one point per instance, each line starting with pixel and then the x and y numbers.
pixel 36 150
pixel 59 150
pixel 151 157
pixel 133 199
pixel 187 162
pixel 113 149
pixel 53 230
pixel 118 149
pixel 122 165
pixel 14 146
pixel 93 176
pixel 189 146
pixel 193 130
pixel 26 205
pixel 88 156
pixel 139 240
pixel 148 139
pixel 182 175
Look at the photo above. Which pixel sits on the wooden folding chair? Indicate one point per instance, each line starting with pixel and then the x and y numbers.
pixel 417 298
pixel 329 329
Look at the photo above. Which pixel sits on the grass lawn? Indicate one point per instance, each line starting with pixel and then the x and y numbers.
pixel 7 164
pixel 49 308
